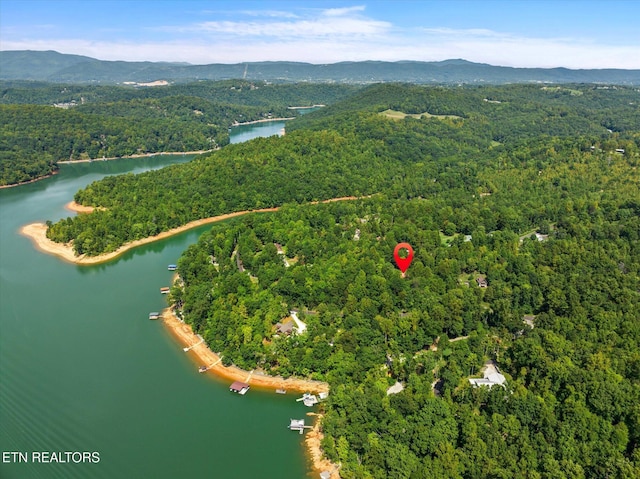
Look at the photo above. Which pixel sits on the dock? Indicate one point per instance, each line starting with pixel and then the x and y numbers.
pixel 154 315
pixel 298 425
pixel 172 267
pixel 239 388
pixel 203 368
pixel 165 290
pixel 308 399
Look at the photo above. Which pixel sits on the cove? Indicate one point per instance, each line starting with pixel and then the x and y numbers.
pixel 83 369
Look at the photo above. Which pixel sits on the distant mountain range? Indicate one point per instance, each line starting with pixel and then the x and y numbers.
pixel 51 66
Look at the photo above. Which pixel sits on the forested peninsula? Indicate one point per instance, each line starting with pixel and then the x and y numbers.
pixel 522 204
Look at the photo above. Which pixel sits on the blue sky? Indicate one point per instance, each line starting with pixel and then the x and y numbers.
pixel 522 33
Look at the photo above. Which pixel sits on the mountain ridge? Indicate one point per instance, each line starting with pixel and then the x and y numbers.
pixel 56 67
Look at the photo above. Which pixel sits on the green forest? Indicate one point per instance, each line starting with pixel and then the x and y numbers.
pixel 43 124
pixel 523 208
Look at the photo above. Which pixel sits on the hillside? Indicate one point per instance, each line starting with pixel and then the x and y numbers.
pixel 60 68
pixel 522 203
pixel 43 124
pixel 358 152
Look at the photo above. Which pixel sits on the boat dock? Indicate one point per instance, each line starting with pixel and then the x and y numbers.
pixel 239 387
pixel 309 399
pixel 154 315
pixel 164 290
pixel 298 425
pixel 172 267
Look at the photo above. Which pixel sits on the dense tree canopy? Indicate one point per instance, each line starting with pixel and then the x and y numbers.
pixel 106 121
pixel 535 189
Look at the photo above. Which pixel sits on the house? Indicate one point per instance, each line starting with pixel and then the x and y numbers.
pixel 482 281
pixel 491 377
pixel 285 328
pixel 541 237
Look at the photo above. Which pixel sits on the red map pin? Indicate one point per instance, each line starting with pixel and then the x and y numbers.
pixel 403 263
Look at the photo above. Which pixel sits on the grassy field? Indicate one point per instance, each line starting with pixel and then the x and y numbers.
pixel 398 115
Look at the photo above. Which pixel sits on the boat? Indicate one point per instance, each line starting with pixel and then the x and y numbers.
pixel 164 290
pixel 154 315
pixel 281 391
pixel 172 267
pixel 202 369
pixel 308 399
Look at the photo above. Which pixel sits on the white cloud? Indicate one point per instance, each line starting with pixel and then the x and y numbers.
pixel 268 13
pixel 338 12
pixel 340 34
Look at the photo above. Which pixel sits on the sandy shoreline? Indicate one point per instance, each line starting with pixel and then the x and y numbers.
pixel 37 232
pixel 141 155
pixel 53 173
pixel 203 356
pixel 266 120
pixel 78 208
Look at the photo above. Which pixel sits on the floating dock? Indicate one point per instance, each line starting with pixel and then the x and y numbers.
pixel 308 399
pixel 154 315
pixel 298 425
pixel 172 267
pixel 239 388
pixel 165 290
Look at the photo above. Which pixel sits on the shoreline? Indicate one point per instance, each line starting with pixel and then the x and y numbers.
pixel 78 208
pixel 201 355
pixel 53 173
pixel 266 120
pixel 37 233
pixel 140 155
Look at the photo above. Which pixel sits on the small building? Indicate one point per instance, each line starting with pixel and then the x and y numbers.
pixel 491 377
pixel 529 319
pixel 285 328
pixel 482 281
pixel 239 387
pixel 395 389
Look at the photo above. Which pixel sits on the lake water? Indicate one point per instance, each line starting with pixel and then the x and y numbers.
pixel 241 133
pixel 83 369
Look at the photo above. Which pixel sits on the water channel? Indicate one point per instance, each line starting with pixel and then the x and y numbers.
pixel 82 369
